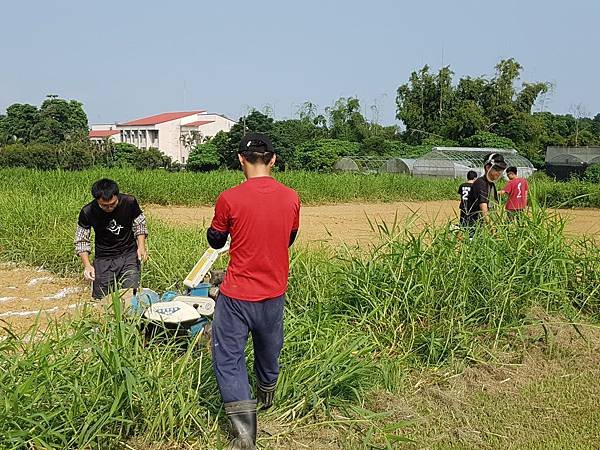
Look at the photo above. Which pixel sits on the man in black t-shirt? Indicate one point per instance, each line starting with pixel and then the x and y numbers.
pixel 483 193
pixel 463 191
pixel 120 239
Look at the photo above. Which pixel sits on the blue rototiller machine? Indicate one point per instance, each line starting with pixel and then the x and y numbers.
pixel 182 314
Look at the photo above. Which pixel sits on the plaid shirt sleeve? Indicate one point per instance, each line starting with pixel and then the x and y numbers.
pixel 82 240
pixel 139 226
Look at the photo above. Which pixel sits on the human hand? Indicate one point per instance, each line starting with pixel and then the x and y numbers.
pixel 142 254
pixel 89 273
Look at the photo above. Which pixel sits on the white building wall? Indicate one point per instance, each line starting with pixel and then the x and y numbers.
pixel 115 138
pixel 169 142
pixel 103 126
pixel 220 124
pixel 137 135
pixel 191 118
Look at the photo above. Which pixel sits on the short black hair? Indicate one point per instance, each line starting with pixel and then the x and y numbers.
pixel 255 147
pixel 105 189
pixel 495 160
pixel 253 157
pixel 512 169
pixel 471 175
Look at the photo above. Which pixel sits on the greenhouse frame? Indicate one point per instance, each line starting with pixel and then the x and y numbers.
pixel 374 164
pixel 563 163
pixel 455 162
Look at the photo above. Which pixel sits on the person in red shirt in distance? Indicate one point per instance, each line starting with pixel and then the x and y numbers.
pixel 262 217
pixel 516 189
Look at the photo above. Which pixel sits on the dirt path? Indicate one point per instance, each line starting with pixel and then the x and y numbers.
pixel 24 292
pixel 348 223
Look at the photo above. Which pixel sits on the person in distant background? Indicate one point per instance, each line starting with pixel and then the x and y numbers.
pixel 463 191
pixel 516 189
pixel 120 239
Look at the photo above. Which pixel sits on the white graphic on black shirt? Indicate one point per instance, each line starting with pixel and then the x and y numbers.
pixel 465 192
pixel 114 227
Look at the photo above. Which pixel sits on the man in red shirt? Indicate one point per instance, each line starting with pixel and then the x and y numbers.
pixel 516 189
pixel 262 217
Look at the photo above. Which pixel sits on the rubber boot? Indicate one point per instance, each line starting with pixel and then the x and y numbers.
pixel 265 394
pixel 242 416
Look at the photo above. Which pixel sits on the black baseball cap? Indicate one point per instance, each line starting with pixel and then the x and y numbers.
pixel 257 143
pixel 496 160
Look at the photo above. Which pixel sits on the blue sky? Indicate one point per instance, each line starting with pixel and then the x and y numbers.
pixel 127 59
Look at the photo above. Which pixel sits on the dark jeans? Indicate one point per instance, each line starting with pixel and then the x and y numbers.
pixel 233 320
pixel 514 214
pixel 118 272
pixel 467 223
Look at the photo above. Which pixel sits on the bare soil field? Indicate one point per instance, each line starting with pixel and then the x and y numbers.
pixel 349 222
pixel 26 293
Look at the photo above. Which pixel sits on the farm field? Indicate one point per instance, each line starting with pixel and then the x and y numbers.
pixel 415 334
pixel 350 223
pixel 23 291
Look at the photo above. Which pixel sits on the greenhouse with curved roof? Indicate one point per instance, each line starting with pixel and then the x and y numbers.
pixel 565 162
pixel 455 162
pixel 374 164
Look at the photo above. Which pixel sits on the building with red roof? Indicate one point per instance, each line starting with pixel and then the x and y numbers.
pixel 173 133
pixel 102 133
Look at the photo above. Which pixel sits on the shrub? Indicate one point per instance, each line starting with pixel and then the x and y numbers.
pixel 592 173
pixel 378 145
pixel 151 158
pixel 75 155
pixel 128 155
pixel 204 157
pixel 320 155
pixel 487 139
pixel 70 155
pixel 123 154
pixel 34 156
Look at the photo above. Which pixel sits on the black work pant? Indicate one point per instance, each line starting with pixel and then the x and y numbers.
pixel 115 273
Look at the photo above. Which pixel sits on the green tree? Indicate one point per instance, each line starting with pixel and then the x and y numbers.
pixel 378 145
pixel 346 122
pixel 151 158
pixel 592 173
pixel 595 126
pixel 18 123
pixel 431 106
pixel 75 155
pixel 289 134
pixel 60 120
pixel 221 142
pixel 320 155
pixel 466 119
pixel 204 157
pixel 123 154
pixel 32 156
pixel 256 122
pixel 487 139
pixel 425 103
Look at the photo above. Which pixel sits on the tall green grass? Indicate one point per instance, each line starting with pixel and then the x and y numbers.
pixel 157 186
pixel 357 319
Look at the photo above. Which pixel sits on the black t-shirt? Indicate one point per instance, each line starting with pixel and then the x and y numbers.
pixel 464 190
pixel 113 231
pixel 482 191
